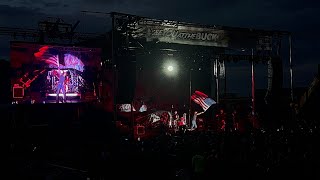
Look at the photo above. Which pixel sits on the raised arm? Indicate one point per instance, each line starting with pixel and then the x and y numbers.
pixel 21 80
pixel 200 113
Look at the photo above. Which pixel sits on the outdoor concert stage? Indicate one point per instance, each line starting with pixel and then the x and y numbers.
pixel 160 66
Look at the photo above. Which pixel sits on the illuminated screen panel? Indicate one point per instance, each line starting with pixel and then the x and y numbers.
pixel 38 68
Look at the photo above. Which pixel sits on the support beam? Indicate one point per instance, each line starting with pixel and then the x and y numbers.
pixel 291 71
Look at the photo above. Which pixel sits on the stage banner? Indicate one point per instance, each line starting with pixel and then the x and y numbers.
pixel 174 32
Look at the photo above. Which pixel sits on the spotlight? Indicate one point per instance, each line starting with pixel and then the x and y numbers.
pixel 170 68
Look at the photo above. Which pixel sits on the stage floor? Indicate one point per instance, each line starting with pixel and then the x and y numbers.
pixel 75 98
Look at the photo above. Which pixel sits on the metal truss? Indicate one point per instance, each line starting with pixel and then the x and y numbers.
pixel 49 31
pixel 126 28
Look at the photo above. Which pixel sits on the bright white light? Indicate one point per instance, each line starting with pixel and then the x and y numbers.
pixel 68 94
pixel 170 68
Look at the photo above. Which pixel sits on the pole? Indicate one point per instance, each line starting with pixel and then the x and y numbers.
pixel 217 79
pixel 225 79
pixel 114 67
pixel 132 118
pixel 252 82
pixel 290 63
pixel 190 93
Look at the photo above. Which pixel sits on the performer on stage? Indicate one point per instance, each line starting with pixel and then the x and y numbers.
pixel 184 115
pixel 235 120
pixel 61 86
pixel 67 81
pixel 24 79
pixel 182 122
pixel 194 119
pixel 170 120
pixel 175 119
pixel 221 117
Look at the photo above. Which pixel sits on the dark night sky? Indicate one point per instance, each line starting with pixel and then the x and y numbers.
pixel 299 17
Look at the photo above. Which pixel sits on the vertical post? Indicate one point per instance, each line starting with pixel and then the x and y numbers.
pixel 132 118
pixel 190 93
pixel 217 79
pixel 114 68
pixel 253 82
pixel 290 64
pixel 225 79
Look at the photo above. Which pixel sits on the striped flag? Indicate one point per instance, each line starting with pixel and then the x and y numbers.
pixel 44 55
pixel 202 99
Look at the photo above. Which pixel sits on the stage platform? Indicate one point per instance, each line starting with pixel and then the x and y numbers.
pixel 37 98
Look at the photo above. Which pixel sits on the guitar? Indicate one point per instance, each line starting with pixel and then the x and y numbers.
pixel 27 84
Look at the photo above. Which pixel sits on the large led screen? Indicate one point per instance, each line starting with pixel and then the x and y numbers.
pixel 37 68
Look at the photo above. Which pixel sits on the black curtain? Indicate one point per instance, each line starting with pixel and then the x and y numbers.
pixel 126 68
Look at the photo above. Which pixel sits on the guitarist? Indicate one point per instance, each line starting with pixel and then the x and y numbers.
pixel 24 79
pixel 23 82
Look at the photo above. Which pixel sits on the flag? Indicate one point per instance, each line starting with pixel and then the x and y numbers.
pixel 202 99
pixel 45 56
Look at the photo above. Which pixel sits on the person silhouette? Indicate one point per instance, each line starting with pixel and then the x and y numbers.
pixel 61 85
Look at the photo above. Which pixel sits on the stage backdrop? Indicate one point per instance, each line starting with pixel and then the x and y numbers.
pixel 159 89
pixel 35 67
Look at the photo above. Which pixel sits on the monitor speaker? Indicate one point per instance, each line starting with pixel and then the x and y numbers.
pixel 18 92
pixel 139 130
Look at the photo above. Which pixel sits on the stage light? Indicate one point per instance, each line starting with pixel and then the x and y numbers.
pixel 170 68
pixel 68 95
